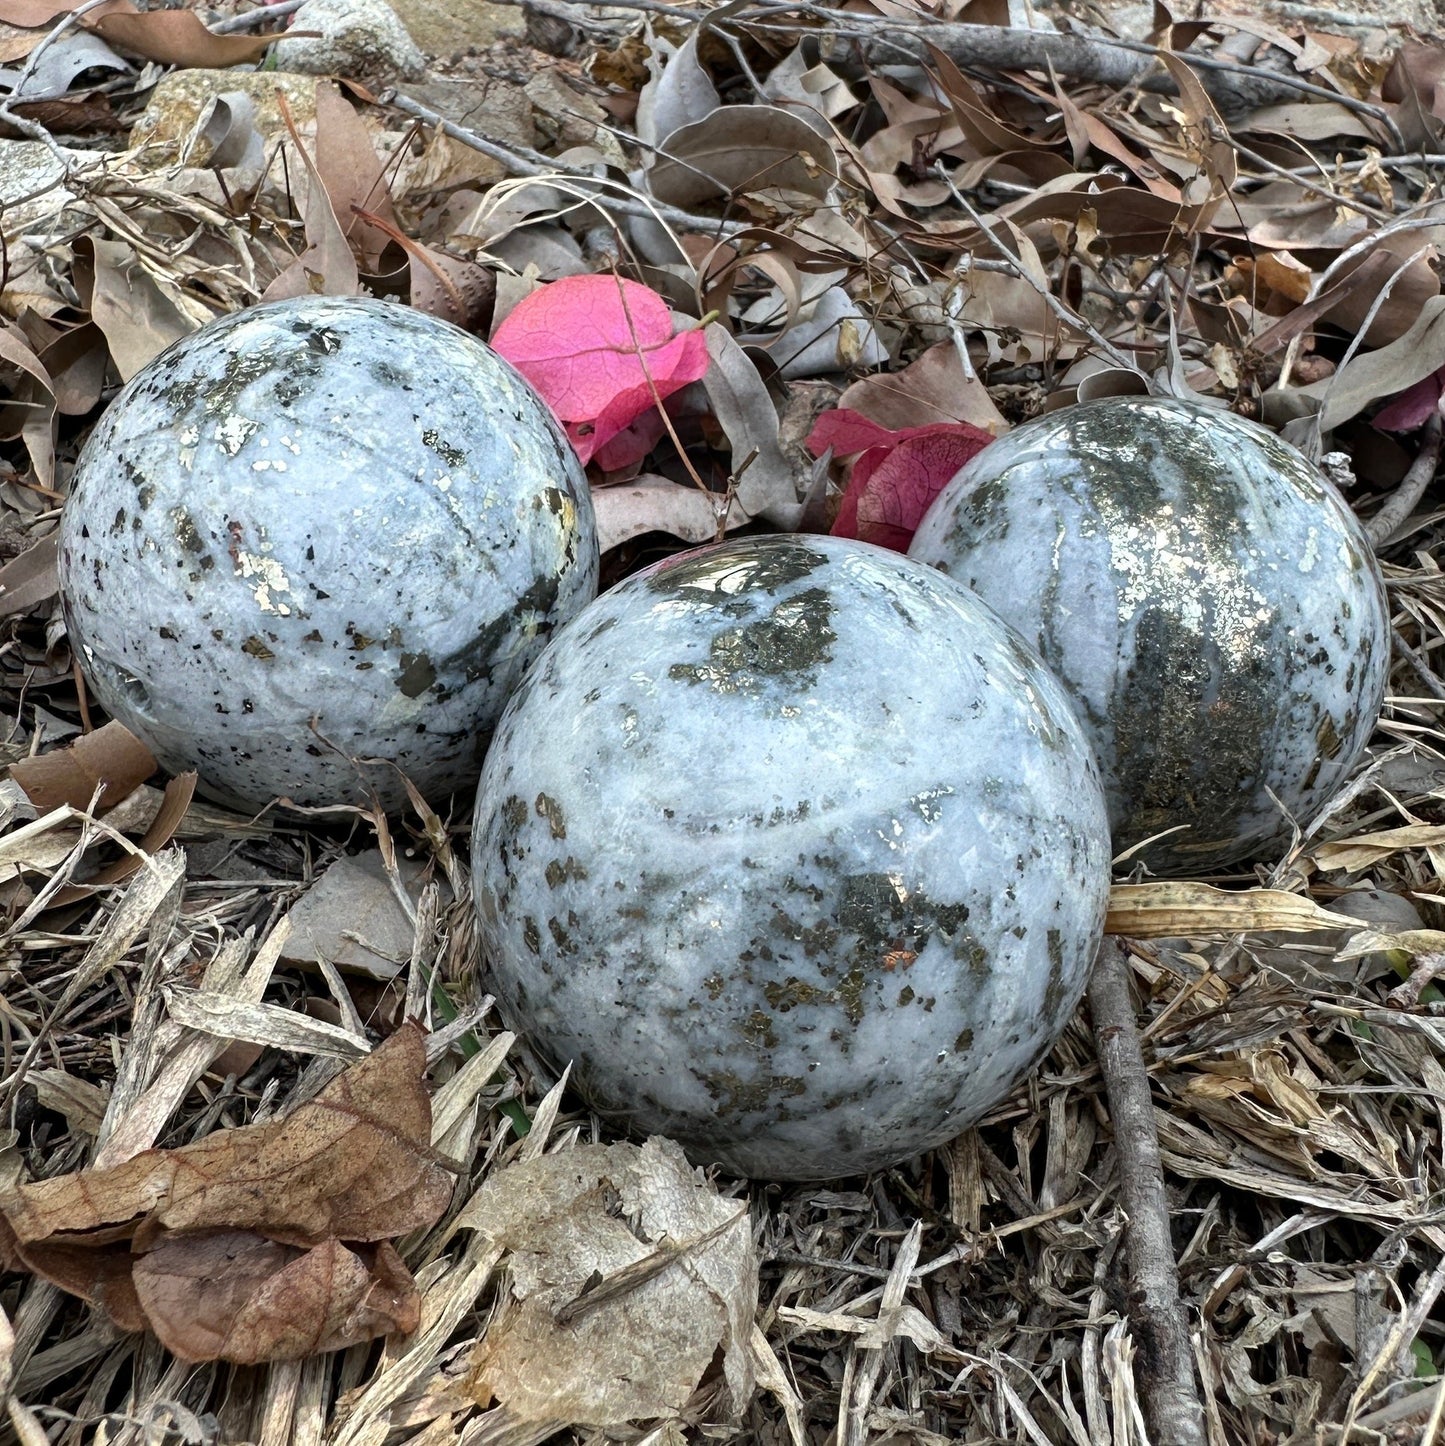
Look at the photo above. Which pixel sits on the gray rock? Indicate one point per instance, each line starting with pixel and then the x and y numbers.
pixel 328 511
pixel 1206 597
pixel 360 39
pixel 795 851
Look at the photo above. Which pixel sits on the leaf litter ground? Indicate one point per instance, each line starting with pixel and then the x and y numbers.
pixel 922 220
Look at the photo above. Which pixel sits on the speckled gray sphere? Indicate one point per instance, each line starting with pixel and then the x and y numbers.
pixel 319 530
pixel 795 851
pixel 1206 597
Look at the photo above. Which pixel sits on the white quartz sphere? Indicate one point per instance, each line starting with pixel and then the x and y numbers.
pixel 1207 599
pixel 795 852
pixel 316 531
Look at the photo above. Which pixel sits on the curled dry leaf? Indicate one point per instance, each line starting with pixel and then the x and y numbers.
pixel 1365 850
pixel 285 1223
pixel 677 92
pixel 232 1296
pixel 601 351
pixel 768 485
pixel 112 759
pixel 627 1276
pixel 31 578
pixel 649 503
pixel 897 474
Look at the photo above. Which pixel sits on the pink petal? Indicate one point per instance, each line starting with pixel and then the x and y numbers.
pixel 891 488
pixel 1412 408
pixel 846 432
pixel 572 340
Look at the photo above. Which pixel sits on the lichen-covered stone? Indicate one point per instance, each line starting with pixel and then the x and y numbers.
pixel 317 530
pixel 795 851
pixel 1206 597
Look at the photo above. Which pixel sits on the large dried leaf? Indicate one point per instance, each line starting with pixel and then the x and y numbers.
pixel 627 1275
pixel 260 1243
pixel 742 148
pixel 31 578
pixel 176 37
pixel 354 1164
pixel 653 504
pixel 351 175
pixel 1368 849
pixel 162 828
pixel 767 483
pixel 1371 376
pixel 933 388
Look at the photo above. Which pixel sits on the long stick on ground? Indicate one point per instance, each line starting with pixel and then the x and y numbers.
pixel 1172 1407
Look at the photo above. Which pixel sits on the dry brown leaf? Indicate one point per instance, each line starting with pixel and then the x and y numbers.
pixel 1169 910
pixel 260 1214
pixel 1206 143
pixel 30 13
pixel 1371 375
pixel 127 303
pixel 648 503
pixel 768 485
pixel 77 361
pixel 176 37
pixel 933 388
pixel 233 1296
pixel 352 176
pixel 1416 283
pixel 112 755
pixel 1413 942
pixel 677 91
pixel 985 133
pixel 742 148
pixel 30 410
pixel 613 1315
pixel 28 580
pixel 327 266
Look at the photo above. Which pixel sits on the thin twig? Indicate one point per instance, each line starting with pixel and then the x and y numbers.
pixel 30 128
pixel 1065 314
pixel 521 161
pixel 1418 665
pixel 1100 59
pixel 1166 1363
pixel 255 19
pixel 1401 503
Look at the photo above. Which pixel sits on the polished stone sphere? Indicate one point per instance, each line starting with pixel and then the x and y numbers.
pixel 317 532
pixel 795 852
pixel 1203 593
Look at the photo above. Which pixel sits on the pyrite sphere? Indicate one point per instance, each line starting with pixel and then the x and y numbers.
pixel 795 851
pixel 1205 596
pixel 322 528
